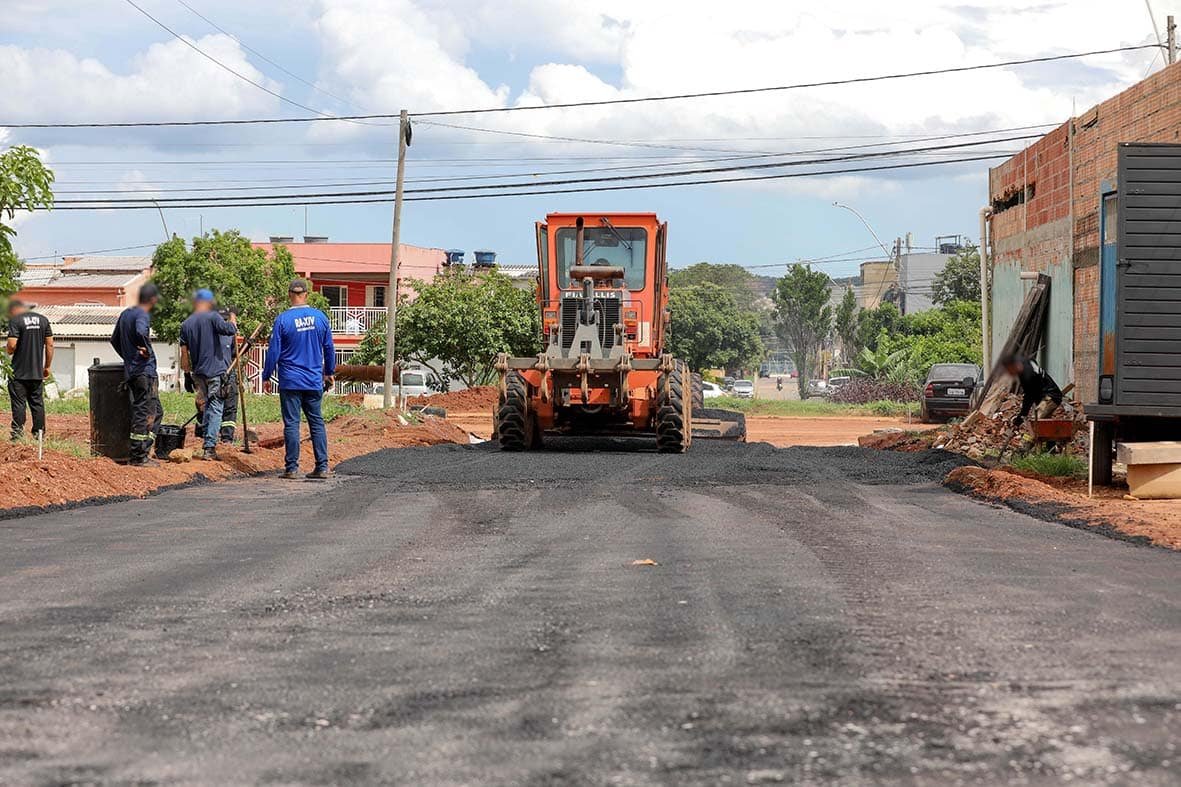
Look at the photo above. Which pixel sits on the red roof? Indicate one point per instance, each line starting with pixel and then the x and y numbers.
pixel 322 259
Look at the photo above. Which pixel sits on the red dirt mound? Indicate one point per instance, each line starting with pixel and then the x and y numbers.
pixel 466 401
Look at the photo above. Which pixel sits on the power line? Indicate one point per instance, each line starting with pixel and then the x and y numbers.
pixel 609 178
pixel 222 65
pixel 693 162
pixel 629 187
pixel 569 105
pixel 88 253
pixel 263 57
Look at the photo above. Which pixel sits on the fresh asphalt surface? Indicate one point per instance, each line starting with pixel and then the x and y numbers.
pixel 456 615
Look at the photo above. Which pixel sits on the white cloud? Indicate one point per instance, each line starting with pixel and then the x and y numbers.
pixel 168 81
pixel 418 54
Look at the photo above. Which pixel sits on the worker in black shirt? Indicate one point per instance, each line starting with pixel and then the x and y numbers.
pixel 132 340
pixel 30 343
pixel 1036 384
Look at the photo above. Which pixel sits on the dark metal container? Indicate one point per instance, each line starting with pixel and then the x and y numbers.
pixel 110 412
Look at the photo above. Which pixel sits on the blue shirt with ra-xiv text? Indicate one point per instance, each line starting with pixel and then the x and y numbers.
pixel 301 349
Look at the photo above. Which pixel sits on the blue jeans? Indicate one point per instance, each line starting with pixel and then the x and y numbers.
pixel 209 391
pixel 292 403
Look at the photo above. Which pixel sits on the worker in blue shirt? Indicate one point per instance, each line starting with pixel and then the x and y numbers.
pixel 132 341
pixel 201 353
pixel 301 349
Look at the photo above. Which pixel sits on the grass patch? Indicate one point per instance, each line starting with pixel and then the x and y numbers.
pixel 178 406
pixel 61 445
pixel 814 408
pixel 1061 465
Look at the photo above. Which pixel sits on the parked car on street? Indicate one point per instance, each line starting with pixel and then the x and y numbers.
pixel 835 384
pixel 743 389
pixel 414 383
pixel 727 383
pixel 948 390
pixel 816 388
pixel 711 390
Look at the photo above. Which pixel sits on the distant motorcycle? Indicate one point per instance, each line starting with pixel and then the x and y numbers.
pixel 778 383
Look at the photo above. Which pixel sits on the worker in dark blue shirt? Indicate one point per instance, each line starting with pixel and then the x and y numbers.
pixel 301 350
pixel 132 341
pixel 201 353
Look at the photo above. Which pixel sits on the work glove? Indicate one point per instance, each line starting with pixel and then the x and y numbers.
pixel 189 387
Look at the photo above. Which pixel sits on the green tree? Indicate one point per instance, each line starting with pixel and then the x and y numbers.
pixel 237 273
pixel 25 184
pixel 906 352
pixel 874 323
pixel 845 322
pixel 803 316
pixel 742 285
pixel 960 278
pixel 709 330
pixel 457 324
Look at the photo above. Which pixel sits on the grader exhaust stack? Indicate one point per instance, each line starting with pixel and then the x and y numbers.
pixel 603 370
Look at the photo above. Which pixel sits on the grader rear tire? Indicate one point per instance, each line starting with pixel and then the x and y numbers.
pixel 698 392
pixel 516 426
pixel 672 433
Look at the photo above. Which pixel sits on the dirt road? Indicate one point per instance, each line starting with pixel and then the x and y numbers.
pixel 782 431
pixel 453 615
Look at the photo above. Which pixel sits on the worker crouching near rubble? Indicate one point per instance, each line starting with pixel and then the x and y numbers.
pixel 302 351
pixel 1036 385
pixel 201 352
pixel 132 341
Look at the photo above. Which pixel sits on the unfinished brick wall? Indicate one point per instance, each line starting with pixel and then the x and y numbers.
pixel 1150 111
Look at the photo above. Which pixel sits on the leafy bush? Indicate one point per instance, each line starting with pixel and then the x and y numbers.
pixel 864 390
pixel 1063 465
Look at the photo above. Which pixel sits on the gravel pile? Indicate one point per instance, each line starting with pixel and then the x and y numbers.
pixel 602 460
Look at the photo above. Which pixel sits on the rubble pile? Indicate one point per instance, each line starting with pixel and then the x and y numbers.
pixel 978 435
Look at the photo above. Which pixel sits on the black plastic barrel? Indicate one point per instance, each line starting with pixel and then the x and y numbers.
pixel 110 412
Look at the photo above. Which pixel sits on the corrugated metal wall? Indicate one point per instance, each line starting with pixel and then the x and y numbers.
pixel 1008 293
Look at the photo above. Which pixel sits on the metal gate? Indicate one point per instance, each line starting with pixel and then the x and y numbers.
pixel 1148 311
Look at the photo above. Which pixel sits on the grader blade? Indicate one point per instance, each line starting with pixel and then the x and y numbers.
pixel 711 423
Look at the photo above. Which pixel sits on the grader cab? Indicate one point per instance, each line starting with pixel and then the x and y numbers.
pixel 603 369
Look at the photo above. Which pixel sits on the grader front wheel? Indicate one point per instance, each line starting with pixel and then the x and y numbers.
pixel 516 425
pixel 672 432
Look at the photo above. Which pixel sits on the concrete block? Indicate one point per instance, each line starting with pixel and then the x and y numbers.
pixel 1164 452
pixel 1155 481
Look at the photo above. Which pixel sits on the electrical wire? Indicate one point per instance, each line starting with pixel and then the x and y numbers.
pixel 601 188
pixel 222 65
pixel 89 253
pixel 573 104
pixel 556 172
pixel 263 57
pixel 609 178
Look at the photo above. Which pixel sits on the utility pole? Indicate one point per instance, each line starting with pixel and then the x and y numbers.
pixel 391 295
pixel 1171 27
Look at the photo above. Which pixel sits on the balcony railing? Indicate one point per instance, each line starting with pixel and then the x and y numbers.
pixel 354 320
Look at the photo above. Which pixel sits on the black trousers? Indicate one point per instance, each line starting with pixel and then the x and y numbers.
pixel 26 394
pixel 146 414
pixel 229 415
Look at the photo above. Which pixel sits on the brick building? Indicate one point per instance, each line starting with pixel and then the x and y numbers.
pixel 1045 218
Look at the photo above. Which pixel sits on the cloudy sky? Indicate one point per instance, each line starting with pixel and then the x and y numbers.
pixel 104 61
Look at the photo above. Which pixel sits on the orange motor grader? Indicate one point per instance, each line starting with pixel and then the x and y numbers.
pixel 603 370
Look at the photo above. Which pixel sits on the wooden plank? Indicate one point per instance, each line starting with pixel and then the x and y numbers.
pixel 1149 453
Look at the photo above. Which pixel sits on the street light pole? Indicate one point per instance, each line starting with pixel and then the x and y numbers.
pixel 894 256
pixel 391 293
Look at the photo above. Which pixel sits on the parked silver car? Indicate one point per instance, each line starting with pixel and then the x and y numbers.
pixel 743 389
